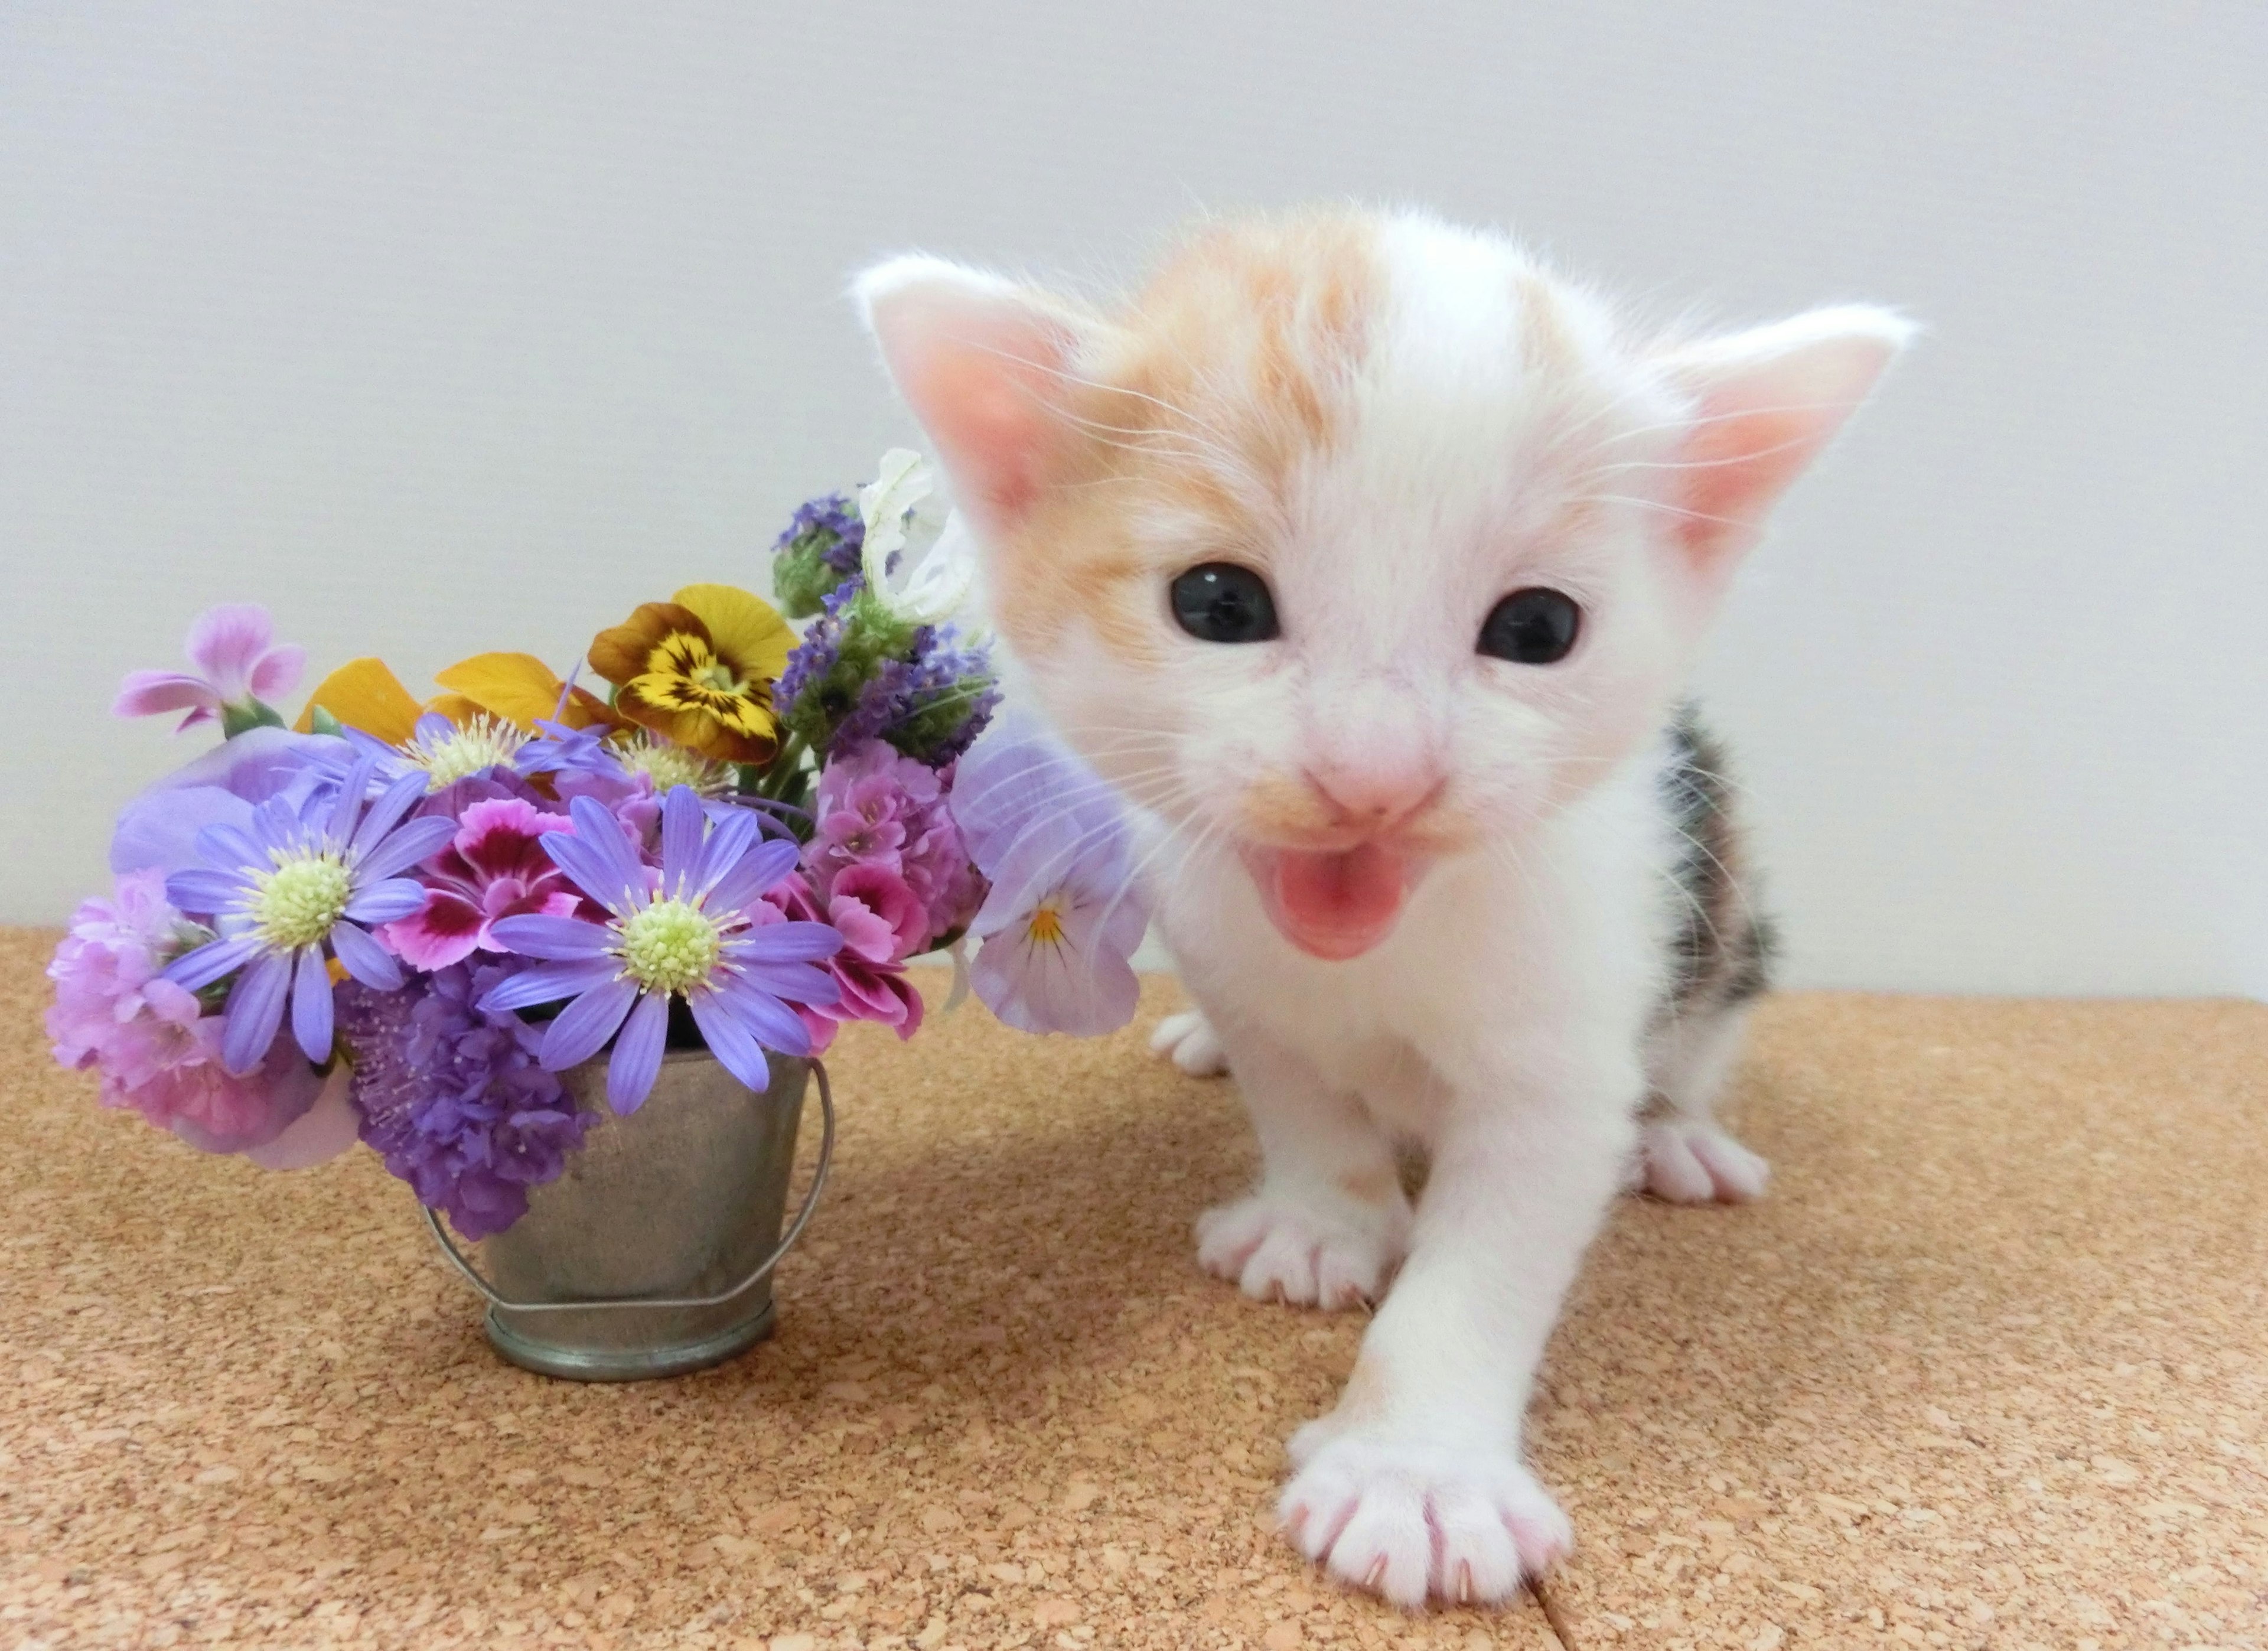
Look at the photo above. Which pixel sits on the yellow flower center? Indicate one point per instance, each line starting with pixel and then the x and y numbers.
pixel 300 899
pixel 1046 927
pixel 670 946
pixel 669 765
pixel 484 743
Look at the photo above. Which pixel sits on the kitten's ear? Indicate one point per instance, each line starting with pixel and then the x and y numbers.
pixel 1764 404
pixel 981 362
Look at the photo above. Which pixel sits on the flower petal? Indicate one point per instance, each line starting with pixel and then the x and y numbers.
pixel 744 628
pixel 207 892
pixel 310 1005
pixel 729 1041
pixel 386 901
pixel 160 828
pixel 797 983
pixel 774 1024
pixel 276 672
pixel 517 687
pixel 364 958
pixel 600 843
pixel 682 823
pixel 584 1025
pixel 339 829
pixel 412 844
pixel 741 885
pixel 224 642
pixel 154 693
pixel 637 1054
pixel 563 938
pixel 788 943
pixel 444 930
pixel 736 829
pixel 393 803
pixel 548 982
pixel 363 694
pixel 255 1010
pixel 192 972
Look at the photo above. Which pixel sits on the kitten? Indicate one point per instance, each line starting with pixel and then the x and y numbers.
pixel 1366 558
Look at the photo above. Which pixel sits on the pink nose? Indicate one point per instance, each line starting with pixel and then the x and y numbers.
pixel 1376 797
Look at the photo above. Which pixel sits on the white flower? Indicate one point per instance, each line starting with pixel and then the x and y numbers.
pixel 936 564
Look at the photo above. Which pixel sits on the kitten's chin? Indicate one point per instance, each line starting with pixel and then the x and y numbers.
pixel 1334 904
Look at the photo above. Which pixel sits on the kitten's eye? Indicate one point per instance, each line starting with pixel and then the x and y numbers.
pixel 1532 627
pixel 1219 601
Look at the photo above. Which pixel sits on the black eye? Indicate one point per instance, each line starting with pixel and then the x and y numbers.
pixel 1532 627
pixel 1219 601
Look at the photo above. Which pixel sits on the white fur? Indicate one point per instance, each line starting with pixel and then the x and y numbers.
pixel 1502 1024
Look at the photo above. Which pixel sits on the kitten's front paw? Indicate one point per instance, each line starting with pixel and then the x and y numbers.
pixel 1276 1251
pixel 1690 1163
pixel 1188 1040
pixel 1411 1520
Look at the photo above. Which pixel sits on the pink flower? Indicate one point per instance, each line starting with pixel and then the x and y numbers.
pixel 494 867
pixel 882 922
pixel 231 644
pixel 875 808
pixel 880 917
pixel 157 1049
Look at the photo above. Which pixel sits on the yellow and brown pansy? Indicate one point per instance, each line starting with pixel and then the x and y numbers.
pixel 698 670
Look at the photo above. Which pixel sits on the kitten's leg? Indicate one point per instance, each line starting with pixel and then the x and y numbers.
pixel 1189 1040
pixel 1329 1220
pixel 1684 1155
pixel 1415 1484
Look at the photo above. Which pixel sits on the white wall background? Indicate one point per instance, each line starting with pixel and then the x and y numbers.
pixel 444 328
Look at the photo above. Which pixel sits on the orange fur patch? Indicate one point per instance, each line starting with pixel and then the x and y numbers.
pixel 1198 400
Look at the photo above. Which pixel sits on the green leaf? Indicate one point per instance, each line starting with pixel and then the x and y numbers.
pixel 242 719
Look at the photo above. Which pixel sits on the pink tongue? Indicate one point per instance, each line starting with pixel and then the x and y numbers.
pixel 1333 906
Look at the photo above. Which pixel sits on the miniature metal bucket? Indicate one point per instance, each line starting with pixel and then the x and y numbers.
pixel 652 1255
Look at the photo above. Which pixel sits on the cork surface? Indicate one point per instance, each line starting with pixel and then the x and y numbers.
pixel 1988 1368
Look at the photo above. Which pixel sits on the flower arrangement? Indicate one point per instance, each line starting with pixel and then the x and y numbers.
pixel 400 921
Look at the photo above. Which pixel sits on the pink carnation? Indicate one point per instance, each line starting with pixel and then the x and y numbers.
pixel 495 867
pixel 157 1049
pixel 882 922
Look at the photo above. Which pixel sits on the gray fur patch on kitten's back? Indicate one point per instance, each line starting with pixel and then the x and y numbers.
pixel 1723 944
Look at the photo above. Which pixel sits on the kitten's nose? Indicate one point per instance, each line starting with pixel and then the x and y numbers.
pixel 1376 796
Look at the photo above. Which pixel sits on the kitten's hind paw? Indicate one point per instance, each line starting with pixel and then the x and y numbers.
pixel 1276 1250
pixel 1413 1521
pixel 1687 1162
pixel 1187 1039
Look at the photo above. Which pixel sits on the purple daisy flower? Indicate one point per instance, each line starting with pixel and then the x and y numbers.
pixel 701 930
pixel 303 877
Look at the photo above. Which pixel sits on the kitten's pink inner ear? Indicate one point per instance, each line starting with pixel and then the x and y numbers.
pixel 981 362
pixel 1766 403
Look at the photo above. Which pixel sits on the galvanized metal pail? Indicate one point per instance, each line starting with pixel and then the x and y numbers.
pixel 652 1255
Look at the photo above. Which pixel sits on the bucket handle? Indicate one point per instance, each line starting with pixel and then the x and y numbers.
pixel 756 1275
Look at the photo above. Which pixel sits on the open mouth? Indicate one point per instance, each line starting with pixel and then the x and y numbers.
pixel 1334 904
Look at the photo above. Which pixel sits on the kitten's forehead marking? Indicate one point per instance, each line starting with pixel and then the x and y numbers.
pixel 1200 403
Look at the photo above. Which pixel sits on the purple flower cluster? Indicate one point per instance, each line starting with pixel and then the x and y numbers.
pixel 454 1098
pixel 859 675
pixel 831 524
pixel 821 548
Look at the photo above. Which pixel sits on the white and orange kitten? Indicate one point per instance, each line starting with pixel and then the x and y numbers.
pixel 1366 558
